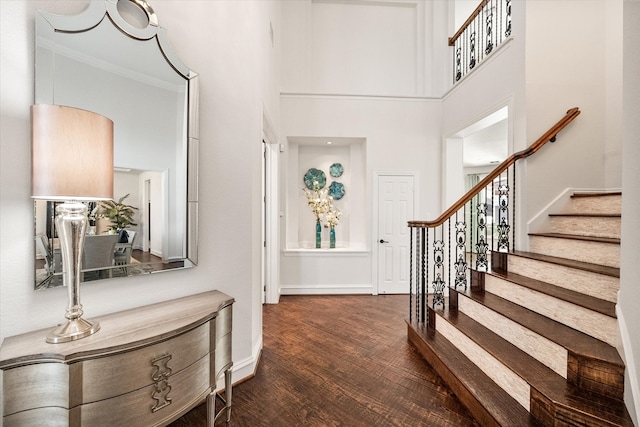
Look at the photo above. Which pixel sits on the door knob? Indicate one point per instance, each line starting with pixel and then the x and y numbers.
pixel 383 241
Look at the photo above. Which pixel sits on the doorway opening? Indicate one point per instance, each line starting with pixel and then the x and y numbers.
pixel 471 153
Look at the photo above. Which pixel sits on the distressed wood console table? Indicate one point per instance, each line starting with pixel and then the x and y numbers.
pixel 145 367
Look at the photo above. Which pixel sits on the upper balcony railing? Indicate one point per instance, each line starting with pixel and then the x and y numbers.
pixel 487 27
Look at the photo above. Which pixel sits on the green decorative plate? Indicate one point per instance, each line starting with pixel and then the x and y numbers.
pixel 336 170
pixel 315 179
pixel 336 190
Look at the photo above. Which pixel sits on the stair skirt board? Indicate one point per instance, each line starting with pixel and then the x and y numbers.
pixel 598 325
pixel 512 383
pixel 587 251
pixel 586 282
pixel 586 226
pixel 544 350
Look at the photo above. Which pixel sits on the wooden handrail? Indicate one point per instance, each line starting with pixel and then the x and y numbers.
pixel 549 135
pixel 476 12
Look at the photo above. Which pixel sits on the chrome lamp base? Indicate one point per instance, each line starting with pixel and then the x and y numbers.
pixel 73 330
pixel 71 224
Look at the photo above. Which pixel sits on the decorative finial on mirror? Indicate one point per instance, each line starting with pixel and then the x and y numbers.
pixel 137 13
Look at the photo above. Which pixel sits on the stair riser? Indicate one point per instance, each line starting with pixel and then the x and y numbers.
pixel 584 320
pixel 596 205
pixel 555 415
pixel 593 284
pixel 510 382
pixel 593 252
pixel 545 351
pixel 483 414
pixel 596 376
pixel 586 226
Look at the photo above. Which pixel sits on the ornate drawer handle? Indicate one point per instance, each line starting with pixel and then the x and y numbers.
pixel 160 378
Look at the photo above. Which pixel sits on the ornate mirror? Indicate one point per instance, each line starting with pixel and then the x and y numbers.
pixel 114 59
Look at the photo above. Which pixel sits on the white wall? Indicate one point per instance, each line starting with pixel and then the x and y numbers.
pixel 556 82
pixel 629 296
pixel 401 135
pixel 364 47
pixel 225 42
pixel 375 60
pixel 154 193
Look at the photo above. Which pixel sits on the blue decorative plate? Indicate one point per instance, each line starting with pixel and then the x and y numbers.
pixel 336 170
pixel 336 190
pixel 315 179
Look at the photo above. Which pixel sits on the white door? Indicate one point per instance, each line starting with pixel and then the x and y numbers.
pixel 395 208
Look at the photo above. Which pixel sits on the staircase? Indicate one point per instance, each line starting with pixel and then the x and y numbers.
pixel 533 340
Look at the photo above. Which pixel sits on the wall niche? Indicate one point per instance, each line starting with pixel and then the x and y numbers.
pixel 321 153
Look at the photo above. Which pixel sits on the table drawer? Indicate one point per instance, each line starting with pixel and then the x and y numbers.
pixel 223 322
pixel 182 391
pixel 118 374
pixel 223 355
pixel 55 417
pixel 34 386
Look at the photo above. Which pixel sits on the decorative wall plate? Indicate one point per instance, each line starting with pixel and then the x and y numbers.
pixel 336 190
pixel 336 170
pixel 315 179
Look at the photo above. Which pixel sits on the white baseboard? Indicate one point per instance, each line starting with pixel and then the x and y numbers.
pixel 540 221
pixel 245 368
pixel 326 289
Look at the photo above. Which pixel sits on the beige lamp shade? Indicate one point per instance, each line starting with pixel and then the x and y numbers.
pixel 71 154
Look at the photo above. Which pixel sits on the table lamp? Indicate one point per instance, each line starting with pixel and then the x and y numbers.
pixel 71 162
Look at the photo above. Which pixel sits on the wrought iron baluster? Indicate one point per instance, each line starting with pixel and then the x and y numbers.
pixel 498 19
pixel 481 245
pixel 513 210
pixel 507 31
pixel 458 60
pixel 425 287
pixel 471 230
pixel 461 251
pixel 503 216
pixel 417 255
pixel 438 255
pixel 472 50
pixel 465 52
pixel 423 275
pixel 492 212
pixel 410 274
pixel 489 31
pixel 449 254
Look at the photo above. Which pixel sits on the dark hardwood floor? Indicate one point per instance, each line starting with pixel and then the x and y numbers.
pixel 339 361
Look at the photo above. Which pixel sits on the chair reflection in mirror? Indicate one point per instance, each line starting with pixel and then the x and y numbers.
pixel 42 245
pixel 98 256
pixel 122 253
